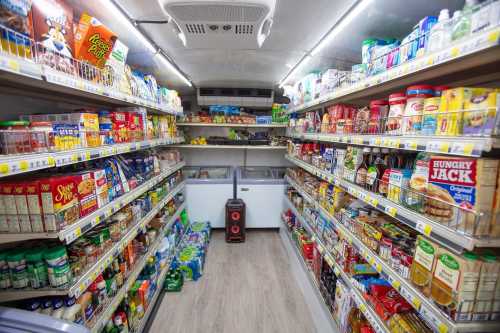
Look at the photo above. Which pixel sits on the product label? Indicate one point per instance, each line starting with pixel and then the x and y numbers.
pixel 448 271
pixel 424 254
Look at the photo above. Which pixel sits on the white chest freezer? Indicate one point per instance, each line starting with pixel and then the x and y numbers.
pixel 261 188
pixel 207 190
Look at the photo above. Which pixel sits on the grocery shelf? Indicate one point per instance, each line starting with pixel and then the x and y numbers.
pixel 75 230
pixel 427 309
pixel 232 125
pixel 84 224
pixel 432 229
pixel 475 56
pixel 289 243
pixel 361 303
pixel 230 147
pixel 451 145
pixel 16 164
pixel 111 307
pixel 42 81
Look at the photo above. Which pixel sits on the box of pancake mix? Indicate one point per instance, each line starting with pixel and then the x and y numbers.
pixel 457 187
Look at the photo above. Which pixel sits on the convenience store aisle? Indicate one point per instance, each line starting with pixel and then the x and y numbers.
pixel 247 287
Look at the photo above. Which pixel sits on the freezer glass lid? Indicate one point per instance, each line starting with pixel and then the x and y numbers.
pixel 191 172
pixel 256 173
pixel 279 173
pixel 214 173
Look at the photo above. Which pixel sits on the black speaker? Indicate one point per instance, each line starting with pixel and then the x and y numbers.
pixel 235 221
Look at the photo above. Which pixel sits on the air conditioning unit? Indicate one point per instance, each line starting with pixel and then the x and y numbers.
pixel 222 24
pixel 248 97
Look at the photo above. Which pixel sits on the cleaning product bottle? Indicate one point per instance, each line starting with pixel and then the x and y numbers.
pixel 440 33
pixel 462 24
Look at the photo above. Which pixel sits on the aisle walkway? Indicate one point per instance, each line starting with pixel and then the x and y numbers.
pixel 245 288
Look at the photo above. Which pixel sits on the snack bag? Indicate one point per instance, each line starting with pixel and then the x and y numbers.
pixel 53 26
pixel 93 41
pixel 16 16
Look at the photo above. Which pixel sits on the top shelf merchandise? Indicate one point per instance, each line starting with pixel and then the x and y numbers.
pixel 389 65
pixel 79 65
pixel 46 140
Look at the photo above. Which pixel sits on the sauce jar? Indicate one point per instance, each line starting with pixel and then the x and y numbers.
pixel 415 97
pixel 397 103
pixel 15 137
pixel 378 115
pixel 42 137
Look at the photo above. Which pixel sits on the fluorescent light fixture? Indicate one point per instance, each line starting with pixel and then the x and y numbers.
pixel 174 69
pixel 354 11
pixel 301 63
pixel 119 13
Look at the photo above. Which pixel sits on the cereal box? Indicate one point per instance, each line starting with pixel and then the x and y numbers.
pixel 16 16
pixel 85 186
pixel 22 206
pixel 53 26
pixel 464 182
pixel 59 202
pixel 120 130
pixel 35 205
pixel 93 41
pixel 480 112
pixel 10 207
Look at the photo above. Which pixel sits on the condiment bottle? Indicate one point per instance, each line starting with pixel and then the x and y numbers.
pixel 363 168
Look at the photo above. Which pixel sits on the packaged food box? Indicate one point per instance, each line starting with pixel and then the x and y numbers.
pixel 53 26
pixel 22 206
pixel 468 183
pixel 10 206
pixel 480 112
pixel 490 273
pixel 87 198
pixel 4 226
pixel 59 202
pixel 16 16
pixel 88 125
pixel 101 187
pixel 120 130
pixel 116 65
pixel 455 282
pixel 424 262
pixel 35 205
pixel 93 41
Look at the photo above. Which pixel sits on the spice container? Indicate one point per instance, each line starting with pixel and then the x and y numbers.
pixel 58 266
pixel 18 269
pixel 42 137
pixel 4 272
pixel 37 269
pixel 397 103
pixel 415 96
pixel 15 137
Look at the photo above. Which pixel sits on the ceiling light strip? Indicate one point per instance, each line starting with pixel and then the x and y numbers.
pixel 353 11
pixel 121 14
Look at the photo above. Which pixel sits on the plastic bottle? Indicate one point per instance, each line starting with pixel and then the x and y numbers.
pixel 73 311
pixel 440 33
pixel 462 24
pixel 58 308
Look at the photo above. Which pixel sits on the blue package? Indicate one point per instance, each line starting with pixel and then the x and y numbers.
pixel 425 25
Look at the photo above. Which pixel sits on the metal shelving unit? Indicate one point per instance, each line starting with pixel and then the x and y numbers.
pixel 16 164
pixel 84 224
pixel 436 231
pixel 474 58
pixel 232 125
pixel 230 147
pixel 462 146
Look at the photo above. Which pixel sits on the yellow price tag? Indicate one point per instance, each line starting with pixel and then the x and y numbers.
pixel 13 65
pixel 74 158
pixel 468 148
pixel 378 267
pixel 412 145
pixel 374 202
pixel 24 165
pixel 82 288
pixel 396 284
pixel 51 161
pixel 392 211
pixel 455 52
pixel 78 232
pixel 395 143
pixel 494 36
pixel 371 261
pixel 442 328
pixel 362 307
pixel 444 147
pixel 430 61
pixel 378 141
pixel 97 219
pixel 416 302
pixel 4 168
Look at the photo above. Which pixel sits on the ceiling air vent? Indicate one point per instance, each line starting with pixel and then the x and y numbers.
pixel 221 24
pixel 248 97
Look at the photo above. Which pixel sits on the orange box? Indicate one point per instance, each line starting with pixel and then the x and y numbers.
pixel 93 41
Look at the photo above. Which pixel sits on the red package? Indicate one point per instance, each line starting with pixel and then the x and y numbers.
pixel 87 197
pixel 59 202
pixel 120 130
pixel 390 299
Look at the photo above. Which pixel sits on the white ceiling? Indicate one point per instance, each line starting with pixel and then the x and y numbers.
pixel 298 26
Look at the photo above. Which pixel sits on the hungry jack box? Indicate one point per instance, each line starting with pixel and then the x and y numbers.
pixel 464 182
pixel 59 202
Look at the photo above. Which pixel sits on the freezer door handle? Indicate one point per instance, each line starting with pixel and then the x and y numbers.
pixel 245 189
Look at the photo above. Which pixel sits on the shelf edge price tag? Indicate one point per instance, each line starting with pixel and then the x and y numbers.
pixel 4 168
pixel 424 228
pixel 392 211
